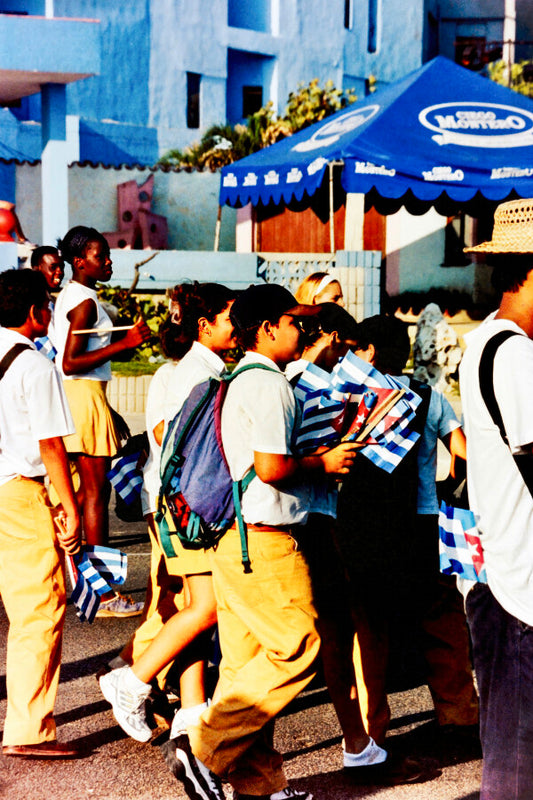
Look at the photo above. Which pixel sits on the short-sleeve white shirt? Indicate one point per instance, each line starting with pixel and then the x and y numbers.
pixel 497 494
pixel 197 365
pixel 155 413
pixel 258 415
pixel 33 406
pixel 69 298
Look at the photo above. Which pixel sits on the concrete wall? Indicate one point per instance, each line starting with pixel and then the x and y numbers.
pixel 188 200
pixel 415 252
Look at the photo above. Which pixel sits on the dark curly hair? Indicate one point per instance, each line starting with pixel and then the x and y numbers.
pixel 196 300
pixel 74 243
pixel 20 289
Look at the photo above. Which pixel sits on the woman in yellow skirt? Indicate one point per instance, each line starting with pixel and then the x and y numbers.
pixel 84 361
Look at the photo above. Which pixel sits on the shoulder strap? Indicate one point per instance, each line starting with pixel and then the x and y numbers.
pixel 11 355
pixel 524 463
pixel 239 487
pixel 486 380
pixel 240 370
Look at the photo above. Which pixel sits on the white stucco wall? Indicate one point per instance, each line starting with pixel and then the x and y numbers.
pixel 188 200
pixel 415 252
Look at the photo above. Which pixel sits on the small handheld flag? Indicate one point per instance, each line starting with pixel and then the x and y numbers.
pixel 460 549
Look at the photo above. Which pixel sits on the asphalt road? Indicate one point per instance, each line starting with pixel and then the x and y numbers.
pixel 118 768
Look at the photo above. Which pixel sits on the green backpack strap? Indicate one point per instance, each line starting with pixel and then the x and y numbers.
pixel 165 534
pixel 239 487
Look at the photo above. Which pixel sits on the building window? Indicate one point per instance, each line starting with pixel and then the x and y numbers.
pixel 193 100
pixel 373 25
pixel 348 18
pixel 252 100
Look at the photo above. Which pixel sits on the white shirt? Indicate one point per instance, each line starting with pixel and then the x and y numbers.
pixel 497 494
pixel 258 415
pixel 33 407
pixel 155 413
pixel 68 298
pixel 197 365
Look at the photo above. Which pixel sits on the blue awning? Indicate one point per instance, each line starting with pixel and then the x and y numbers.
pixel 442 130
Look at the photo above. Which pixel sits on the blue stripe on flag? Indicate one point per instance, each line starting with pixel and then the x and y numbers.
pixel 96 567
pixel 126 478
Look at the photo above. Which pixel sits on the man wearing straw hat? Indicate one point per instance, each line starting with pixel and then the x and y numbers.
pixel 496 377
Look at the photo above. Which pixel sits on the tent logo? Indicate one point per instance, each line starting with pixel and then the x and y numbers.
pixel 479 124
pixel 331 131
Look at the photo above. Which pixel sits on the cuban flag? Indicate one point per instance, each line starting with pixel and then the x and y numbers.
pixel 126 477
pixel 460 549
pixel 348 395
pixel 95 567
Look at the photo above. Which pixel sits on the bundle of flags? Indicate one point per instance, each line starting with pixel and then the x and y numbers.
pixel 91 572
pixel 356 402
pixel 460 549
pixel 126 477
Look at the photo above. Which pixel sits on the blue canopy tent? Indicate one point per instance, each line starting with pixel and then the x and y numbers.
pixel 442 136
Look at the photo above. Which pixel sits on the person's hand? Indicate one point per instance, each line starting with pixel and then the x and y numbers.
pixel 68 529
pixel 137 335
pixel 338 460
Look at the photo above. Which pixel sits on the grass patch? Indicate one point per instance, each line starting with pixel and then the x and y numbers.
pixel 133 368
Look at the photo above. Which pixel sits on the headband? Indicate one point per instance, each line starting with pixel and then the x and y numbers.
pixel 326 280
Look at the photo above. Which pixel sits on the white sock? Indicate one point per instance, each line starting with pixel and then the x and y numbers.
pixel 372 754
pixel 131 681
pixel 186 716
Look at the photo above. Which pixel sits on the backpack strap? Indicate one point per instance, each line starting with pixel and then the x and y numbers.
pixel 486 386
pixel 239 487
pixel 11 355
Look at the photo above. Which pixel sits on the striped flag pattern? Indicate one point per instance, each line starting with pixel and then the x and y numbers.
pixel 460 549
pixel 96 567
pixel 45 346
pixel 324 397
pixel 126 478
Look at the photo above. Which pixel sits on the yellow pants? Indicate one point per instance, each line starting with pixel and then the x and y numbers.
pixel 269 642
pixel 164 598
pixel 33 592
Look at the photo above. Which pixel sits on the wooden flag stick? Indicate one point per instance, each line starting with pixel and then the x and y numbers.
pixel 105 330
pixel 377 415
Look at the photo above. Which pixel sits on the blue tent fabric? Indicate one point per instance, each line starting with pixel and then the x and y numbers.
pixel 441 130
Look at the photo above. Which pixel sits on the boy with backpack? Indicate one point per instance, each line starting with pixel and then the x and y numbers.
pixel 266 616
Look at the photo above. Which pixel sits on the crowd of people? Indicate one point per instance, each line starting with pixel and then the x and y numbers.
pixel 344 566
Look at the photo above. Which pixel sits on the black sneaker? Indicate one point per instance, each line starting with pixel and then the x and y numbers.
pixel 199 782
pixel 284 794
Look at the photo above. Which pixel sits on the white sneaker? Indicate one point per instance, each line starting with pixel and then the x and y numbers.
pixel 127 695
pixel 372 754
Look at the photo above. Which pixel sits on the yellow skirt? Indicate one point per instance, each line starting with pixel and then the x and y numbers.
pixel 96 434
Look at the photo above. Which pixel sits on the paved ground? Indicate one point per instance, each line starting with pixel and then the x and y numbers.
pixel 117 768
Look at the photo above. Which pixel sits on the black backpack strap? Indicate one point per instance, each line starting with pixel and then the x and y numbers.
pixel 486 385
pixel 11 355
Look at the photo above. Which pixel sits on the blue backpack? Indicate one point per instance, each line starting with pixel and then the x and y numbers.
pixel 197 490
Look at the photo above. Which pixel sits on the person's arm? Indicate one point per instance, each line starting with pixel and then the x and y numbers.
pixel 277 470
pixel 77 359
pixel 55 460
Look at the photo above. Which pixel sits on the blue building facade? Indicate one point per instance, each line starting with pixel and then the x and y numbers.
pixel 168 69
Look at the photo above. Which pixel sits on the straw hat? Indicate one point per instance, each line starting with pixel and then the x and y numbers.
pixel 513 229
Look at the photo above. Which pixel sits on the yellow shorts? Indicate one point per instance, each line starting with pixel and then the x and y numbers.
pixel 96 434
